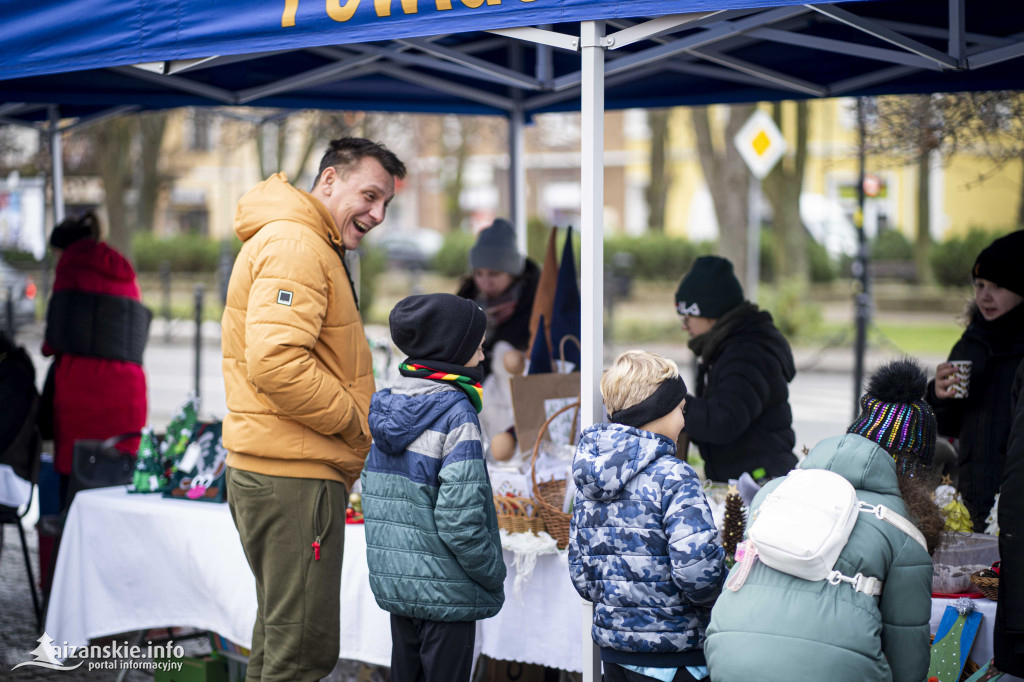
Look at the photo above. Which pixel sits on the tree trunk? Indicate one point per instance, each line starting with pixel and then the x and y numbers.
pixel 114 139
pixel 455 135
pixel 151 129
pixel 923 241
pixel 783 187
pixel 1020 206
pixel 728 181
pixel 657 190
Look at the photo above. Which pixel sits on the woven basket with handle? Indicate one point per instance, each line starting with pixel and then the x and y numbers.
pixel 550 495
pixel 987 582
pixel 518 514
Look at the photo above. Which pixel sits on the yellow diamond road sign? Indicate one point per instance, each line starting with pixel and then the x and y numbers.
pixel 760 143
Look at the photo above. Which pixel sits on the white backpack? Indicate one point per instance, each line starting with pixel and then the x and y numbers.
pixel 803 525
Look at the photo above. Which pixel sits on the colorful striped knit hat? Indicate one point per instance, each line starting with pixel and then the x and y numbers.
pixel 895 415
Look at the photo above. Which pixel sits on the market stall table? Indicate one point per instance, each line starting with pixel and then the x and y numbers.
pixel 133 562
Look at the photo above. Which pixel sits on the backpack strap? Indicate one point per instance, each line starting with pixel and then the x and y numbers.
pixel 883 513
pixel 861 583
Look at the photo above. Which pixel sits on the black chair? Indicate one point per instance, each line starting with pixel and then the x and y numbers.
pixel 14 516
pixel 94 464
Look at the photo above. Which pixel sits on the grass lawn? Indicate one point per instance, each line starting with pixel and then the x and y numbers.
pixel 910 336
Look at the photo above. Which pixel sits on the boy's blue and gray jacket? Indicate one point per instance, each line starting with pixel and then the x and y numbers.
pixel 432 543
pixel 780 628
pixel 643 546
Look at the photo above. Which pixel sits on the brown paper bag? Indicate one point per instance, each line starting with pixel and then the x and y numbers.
pixel 528 396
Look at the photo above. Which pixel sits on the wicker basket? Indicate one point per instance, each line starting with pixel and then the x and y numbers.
pixel 550 495
pixel 987 582
pixel 518 514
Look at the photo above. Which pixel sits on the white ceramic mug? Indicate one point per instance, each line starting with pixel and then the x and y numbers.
pixel 962 372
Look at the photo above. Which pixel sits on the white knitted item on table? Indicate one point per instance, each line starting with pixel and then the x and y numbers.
pixel 526 547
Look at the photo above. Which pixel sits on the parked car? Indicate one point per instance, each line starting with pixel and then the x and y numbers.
pixel 19 288
pixel 411 248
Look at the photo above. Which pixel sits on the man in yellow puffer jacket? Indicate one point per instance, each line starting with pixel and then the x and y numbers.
pixel 298 377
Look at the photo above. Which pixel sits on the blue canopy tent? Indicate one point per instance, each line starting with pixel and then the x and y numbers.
pixel 87 58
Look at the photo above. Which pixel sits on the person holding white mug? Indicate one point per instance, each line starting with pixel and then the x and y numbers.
pixel 971 390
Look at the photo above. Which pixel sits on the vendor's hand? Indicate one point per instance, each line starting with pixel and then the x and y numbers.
pixel 945 378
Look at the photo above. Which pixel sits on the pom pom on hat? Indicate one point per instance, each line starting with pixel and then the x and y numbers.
pixel 895 415
pixel 72 229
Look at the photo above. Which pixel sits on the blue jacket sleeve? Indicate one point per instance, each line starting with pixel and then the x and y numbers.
pixel 464 513
pixel 697 558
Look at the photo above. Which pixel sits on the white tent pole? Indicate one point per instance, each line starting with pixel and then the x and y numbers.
pixel 517 172
pixel 57 157
pixel 592 261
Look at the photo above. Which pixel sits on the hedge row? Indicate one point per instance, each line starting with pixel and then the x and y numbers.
pixel 653 256
pixel 184 253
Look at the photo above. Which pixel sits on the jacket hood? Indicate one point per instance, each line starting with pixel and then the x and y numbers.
pixel 760 329
pixel 88 256
pixel 610 455
pixel 398 415
pixel 276 199
pixel 746 324
pixel 862 462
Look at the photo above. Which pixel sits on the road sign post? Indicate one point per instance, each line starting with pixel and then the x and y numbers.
pixel 761 145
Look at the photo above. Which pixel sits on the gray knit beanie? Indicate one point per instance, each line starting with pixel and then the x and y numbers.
pixel 495 249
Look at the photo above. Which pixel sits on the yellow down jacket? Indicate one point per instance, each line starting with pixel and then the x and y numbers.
pixel 298 373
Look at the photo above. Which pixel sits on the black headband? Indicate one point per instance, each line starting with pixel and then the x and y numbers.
pixel 665 399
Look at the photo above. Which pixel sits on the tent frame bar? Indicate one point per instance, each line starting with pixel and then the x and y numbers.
pixel 876 30
pixel 653 28
pixel 540 36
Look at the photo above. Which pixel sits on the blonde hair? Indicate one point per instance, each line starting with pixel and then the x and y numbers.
pixel 633 377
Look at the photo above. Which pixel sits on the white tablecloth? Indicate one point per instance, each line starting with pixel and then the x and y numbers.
pixel 133 562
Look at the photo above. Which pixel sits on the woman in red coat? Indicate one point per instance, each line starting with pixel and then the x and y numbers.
pixel 96 329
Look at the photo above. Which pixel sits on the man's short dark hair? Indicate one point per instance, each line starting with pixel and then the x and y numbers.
pixel 346 152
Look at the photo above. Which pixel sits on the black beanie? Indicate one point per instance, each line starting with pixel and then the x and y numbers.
pixel 440 327
pixel 1000 263
pixel 709 289
pixel 73 229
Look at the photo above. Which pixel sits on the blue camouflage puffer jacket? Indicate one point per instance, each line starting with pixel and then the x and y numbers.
pixel 643 546
pixel 432 544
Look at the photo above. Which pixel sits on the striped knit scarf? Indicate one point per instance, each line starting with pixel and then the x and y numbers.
pixel 467 385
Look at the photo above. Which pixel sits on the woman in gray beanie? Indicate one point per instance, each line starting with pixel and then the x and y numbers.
pixel 740 417
pixel 502 282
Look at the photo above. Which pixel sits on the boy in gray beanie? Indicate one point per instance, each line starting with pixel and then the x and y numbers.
pixel 432 544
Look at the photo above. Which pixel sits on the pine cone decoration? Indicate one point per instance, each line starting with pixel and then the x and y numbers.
pixel 735 522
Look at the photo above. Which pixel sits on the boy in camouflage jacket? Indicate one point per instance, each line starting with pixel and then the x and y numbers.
pixel 643 546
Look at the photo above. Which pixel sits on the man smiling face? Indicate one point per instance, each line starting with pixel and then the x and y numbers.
pixel 357 199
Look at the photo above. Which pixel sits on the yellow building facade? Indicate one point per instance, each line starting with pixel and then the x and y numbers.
pixel 967 190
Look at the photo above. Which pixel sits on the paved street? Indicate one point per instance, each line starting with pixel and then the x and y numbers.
pixel 821 397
